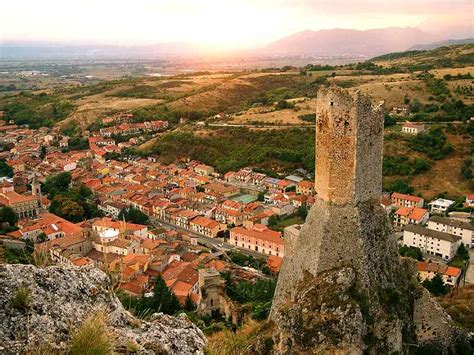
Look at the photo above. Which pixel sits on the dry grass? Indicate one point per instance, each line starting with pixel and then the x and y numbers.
pixel 445 175
pixel 460 305
pixel 266 115
pixel 21 299
pixel 250 339
pixel 41 259
pixel 92 337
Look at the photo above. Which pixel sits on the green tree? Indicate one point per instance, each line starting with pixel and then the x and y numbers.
pixel 133 215
pixel 57 184
pixel 436 286
pixel 283 104
pixel 8 215
pixel 42 237
pixel 67 208
pixel 462 252
pixel 5 169
pixel 273 220
pixel 389 120
pixel 189 305
pixel 433 143
pixel 400 186
pixel 163 299
pixel 302 211
pixel 415 106
pixel 411 252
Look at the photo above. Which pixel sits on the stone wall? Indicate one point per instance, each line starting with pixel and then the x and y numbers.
pixel 348 146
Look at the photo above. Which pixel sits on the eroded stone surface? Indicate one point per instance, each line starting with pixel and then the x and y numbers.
pixel 342 287
pixel 61 297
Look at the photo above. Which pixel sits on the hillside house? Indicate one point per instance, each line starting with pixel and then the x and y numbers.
pixel 464 230
pixel 400 110
pixel 410 215
pixel 469 201
pixel 449 274
pixel 259 239
pixel 404 200
pixel 305 188
pixel 413 128
pixel 25 206
pixel 440 205
pixel 432 242
pixel 206 226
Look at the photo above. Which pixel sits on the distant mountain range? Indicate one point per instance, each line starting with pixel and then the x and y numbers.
pixel 330 43
pixel 449 42
pixel 48 50
pixel 350 42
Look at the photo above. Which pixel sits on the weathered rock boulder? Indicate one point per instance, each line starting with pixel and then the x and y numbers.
pixel 61 297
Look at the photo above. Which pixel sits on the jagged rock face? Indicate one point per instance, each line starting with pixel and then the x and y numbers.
pixel 61 297
pixel 342 287
pixel 357 310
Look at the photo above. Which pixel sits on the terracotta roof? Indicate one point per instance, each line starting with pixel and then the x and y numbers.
pixel 260 233
pixel 132 288
pixel 306 184
pixel 189 257
pixel 205 222
pixel 100 256
pixel 274 263
pixel 414 213
pixel 438 268
pixel 406 197
pixel 413 125
pixel 62 242
pixel 180 271
pixel 216 264
pixel 81 261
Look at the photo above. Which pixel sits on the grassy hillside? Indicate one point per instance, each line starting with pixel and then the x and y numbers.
pixel 430 164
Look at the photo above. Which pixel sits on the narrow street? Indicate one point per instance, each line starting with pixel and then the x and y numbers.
pixel 216 243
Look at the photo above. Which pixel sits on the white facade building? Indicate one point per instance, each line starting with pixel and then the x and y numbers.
pixel 455 227
pixel 431 242
pixel 440 205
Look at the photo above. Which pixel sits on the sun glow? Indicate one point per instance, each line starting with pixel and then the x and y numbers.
pixel 212 24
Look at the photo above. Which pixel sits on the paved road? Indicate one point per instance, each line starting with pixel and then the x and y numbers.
pixel 260 126
pixel 470 269
pixel 311 125
pixel 216 243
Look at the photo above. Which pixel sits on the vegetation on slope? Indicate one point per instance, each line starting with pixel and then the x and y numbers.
pixel 460 306
pixel 234 148
pixel 36 110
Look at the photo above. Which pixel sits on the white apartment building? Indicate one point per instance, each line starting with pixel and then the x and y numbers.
pixel 431 242
pixel 455 227
pixel 440 205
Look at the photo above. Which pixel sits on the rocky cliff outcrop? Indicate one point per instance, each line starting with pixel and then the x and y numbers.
pixel 342 286
pixel 61 297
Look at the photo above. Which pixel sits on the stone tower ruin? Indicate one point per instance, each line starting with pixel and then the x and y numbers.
pixel 348 158
pixel 342 287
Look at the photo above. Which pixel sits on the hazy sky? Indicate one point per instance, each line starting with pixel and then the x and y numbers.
pixel 225 23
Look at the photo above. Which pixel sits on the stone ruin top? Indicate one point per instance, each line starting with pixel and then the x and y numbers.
pixel 349 143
